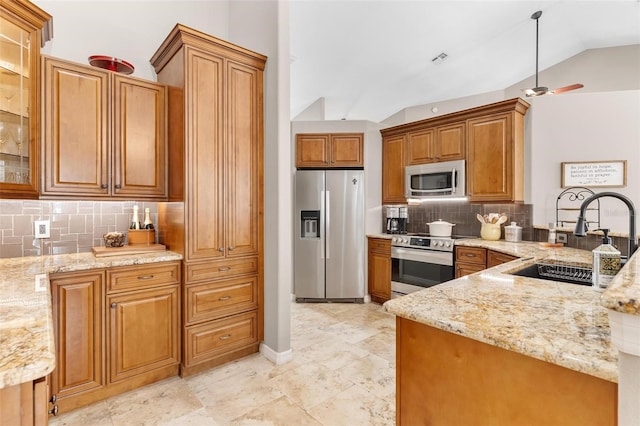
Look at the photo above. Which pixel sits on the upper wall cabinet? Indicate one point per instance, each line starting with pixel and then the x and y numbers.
pixel 23 28
pixel 324 150
pixel 490 138
pixel 104 134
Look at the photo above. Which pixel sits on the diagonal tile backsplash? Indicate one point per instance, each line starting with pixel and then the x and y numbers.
pixel 76 226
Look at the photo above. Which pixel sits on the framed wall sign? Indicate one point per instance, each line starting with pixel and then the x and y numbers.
pixel 600 174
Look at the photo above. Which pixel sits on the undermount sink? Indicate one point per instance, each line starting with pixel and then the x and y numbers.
pixel 563 273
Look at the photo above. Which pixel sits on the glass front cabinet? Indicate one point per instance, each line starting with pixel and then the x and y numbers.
pixel 24 28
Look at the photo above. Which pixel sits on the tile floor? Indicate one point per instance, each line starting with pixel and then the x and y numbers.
pixel 342 373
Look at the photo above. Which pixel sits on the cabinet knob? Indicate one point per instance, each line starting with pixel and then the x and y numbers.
pixel 114 305
pixel 225 337
pixel 118 186
pixel 54 410
pixel 221 249
pixel 104 186
pixel 53 399
pixel 231 248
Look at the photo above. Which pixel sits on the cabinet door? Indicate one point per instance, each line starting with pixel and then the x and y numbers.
pixel 393 170
pixel 244 160
pixel 420 147
pixel 496 258
pixel 76 129
pixel 143 331
pixel 347 150
pixel 450 142
pixel 379 273
pixel 20 29
pixel 78 329
pixel 205 162
pixel 490 158
pixel 139 145
pixel 312 150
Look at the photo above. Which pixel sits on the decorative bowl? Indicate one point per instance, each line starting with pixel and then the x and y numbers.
pixel 113 239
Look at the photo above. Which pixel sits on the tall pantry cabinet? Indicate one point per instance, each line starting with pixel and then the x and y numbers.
pixel 214 216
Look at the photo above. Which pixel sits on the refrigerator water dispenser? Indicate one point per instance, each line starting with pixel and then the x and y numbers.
pixel 309 222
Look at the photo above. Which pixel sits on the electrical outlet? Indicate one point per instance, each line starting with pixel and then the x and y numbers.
pixel 561 238
pixel 42 229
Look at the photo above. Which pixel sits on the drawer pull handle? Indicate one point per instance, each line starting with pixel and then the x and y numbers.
pixel 470 255
pixel 225 337
pixel 145 277
pixel 224 298
pixel 224 268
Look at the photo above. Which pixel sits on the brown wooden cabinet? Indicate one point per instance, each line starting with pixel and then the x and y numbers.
pixel 496 258
pixel 393 163
pixel 113 125
pixel 24 404
pixel 434 144
pixel 24 27
pixel 216 181
pixel 379 269
pixel 115 330
pixel 469 260
pixel 323 150
pixel 490 138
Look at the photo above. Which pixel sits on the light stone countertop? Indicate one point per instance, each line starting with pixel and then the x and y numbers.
pixel 564 324
pixel 27 350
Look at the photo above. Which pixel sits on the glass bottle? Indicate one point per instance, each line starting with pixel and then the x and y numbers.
pixel 147 219
pixel 135 222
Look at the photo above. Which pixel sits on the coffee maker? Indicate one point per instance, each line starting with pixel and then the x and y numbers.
pixel 393 216
pixel 402 219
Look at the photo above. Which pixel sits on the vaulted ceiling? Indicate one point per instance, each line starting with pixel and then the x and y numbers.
pixel 369 59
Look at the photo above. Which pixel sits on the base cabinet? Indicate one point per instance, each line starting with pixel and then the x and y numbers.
pixel 112 336
pixel 24 404
pixel 469 260
pixel 379 269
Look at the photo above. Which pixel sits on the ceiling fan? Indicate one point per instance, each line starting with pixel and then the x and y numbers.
pixel 541 90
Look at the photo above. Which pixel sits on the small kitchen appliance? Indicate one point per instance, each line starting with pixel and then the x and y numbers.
pixel 442 180
pixel 393 220
pixel 403 219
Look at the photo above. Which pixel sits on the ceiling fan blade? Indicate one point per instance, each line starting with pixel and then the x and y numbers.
pixel 567 88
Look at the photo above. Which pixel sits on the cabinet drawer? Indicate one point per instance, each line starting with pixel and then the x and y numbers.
pixel 142 276
pixel 221 298
pixel 380 245
pixel 207 341
pixel 476 255
pixel 496 258
pixel 220 269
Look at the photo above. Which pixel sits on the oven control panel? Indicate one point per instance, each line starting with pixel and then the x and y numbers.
pixel 430 243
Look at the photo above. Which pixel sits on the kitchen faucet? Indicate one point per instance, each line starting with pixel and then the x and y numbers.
pixel 581 225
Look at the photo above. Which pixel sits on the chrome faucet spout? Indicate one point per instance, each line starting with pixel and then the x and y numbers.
pixel 581 227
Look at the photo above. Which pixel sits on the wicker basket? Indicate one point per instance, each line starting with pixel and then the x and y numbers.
pixel 141 237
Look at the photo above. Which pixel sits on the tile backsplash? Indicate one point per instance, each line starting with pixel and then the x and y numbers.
pixel 76 226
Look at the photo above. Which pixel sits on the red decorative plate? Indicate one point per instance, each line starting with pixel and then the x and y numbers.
pixel 110 63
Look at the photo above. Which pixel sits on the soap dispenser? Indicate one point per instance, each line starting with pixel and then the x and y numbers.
pixel 606 262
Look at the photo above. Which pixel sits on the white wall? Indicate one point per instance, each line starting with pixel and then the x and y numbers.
pixel 129 30
pixel 578 127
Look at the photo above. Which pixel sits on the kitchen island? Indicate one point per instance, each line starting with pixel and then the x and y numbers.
pixel 495 348
pixel 27 349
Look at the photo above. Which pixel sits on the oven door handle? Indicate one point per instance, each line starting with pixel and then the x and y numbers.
pixel 424 256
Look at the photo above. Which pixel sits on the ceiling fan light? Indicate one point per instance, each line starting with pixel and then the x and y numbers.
pixel 537 91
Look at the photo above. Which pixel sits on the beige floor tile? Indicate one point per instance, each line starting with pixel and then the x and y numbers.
pixel 382 344
pixel 152 404
pixel 95 414
pixel 352 333
pixel 333 352
pixel 355 406
pixel 310 384
pixel 373 373
pixel 281 412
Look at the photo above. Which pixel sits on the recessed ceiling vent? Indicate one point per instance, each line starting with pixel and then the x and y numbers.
pixel 441 57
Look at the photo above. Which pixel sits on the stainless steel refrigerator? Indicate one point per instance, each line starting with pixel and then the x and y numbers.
pixel 329 236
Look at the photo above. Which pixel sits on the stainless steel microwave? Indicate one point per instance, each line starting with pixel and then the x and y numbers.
pixel 442 180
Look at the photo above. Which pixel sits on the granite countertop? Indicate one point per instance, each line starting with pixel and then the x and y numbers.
pixel 565 324
pixel 27 349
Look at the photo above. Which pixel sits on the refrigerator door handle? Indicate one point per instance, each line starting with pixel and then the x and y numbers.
pixel 322 231
pixel 327 225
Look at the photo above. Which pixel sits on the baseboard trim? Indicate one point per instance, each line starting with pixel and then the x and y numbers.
pixel 277 358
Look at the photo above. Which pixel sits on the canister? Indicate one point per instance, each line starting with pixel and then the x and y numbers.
pixel 513 233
